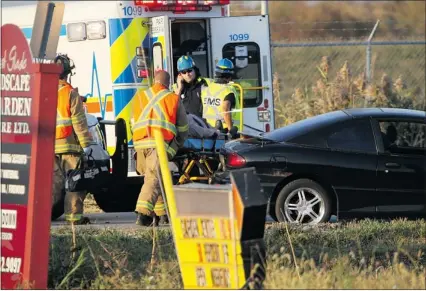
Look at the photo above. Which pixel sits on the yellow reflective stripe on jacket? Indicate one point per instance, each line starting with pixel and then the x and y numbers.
pixel 145 204
pixel 85 141
pixel 67 148
pixel 149 143
pixel 73 217
pixel 159 207
pixel 183 128
pixel 156 123
pixel 154 101
pixel 63 121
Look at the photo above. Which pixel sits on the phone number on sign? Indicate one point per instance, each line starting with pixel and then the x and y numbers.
pixel 11 265
pixel 132 11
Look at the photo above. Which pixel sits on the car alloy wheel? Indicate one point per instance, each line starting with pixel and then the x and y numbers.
pixel 303 201
pixel 304 205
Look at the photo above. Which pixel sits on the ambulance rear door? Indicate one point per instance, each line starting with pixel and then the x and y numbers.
pixel 245 41
pixel 161 45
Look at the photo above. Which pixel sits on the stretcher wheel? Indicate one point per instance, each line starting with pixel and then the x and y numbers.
pixel 120 197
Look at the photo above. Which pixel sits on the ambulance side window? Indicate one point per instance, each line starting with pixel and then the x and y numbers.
pixel 246 59
pixel 157 56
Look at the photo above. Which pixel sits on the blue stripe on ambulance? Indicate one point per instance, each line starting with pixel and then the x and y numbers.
pixel 28 31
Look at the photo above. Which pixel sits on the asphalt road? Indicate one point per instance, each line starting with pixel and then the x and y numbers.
pixel 119 220
pixel 110 220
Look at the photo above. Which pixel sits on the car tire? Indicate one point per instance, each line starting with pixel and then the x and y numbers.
pixel 294 193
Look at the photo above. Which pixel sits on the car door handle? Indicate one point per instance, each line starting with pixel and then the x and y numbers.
pixel 392 165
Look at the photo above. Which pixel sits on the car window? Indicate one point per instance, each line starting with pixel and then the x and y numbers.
pixel 403 134
pixel 354 135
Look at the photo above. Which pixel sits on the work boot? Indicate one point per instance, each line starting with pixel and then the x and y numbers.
pixel 144 220
pixel 161 220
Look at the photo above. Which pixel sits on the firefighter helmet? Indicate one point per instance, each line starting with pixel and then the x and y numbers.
pixel 66 63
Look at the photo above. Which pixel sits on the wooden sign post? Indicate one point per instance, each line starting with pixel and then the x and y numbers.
pixel 28 111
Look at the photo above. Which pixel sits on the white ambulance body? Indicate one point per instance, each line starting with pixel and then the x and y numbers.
pixel 115 44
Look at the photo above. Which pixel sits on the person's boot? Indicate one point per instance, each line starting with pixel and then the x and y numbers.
pixel 164 220
pixel 143 220
pixel 161 220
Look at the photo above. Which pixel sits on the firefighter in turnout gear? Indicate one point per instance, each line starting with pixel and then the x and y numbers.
pixel 72 142
pixel 156 107
pixel 189 86
pixel 220 98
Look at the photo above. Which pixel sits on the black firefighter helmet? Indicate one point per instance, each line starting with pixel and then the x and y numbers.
pixel 67 65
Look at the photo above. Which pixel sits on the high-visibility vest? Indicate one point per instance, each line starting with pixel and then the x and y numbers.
pixel 63 116
pixel 159 110
pixel 213 97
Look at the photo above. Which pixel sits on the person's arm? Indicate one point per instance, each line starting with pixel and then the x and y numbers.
pixel 227 105
pixel 182 125
pixel 178 87
pixel 79 121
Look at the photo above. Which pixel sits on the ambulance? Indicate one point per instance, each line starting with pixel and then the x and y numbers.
pixel 117 45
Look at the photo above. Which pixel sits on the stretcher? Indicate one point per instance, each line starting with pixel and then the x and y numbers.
pixel 200 153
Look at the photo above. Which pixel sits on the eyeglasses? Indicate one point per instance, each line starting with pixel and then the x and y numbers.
pixel 185 71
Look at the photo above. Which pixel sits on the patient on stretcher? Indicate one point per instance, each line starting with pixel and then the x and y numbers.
pixel 203 137
pixel 198 128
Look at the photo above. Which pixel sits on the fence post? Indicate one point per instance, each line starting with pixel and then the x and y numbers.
pixel 264 7
pixel 368 54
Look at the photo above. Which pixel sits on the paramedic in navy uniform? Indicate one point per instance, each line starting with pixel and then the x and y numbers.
pixel 188 86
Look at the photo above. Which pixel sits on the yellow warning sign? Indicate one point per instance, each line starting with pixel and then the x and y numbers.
pixel 218 229
pixel 206 237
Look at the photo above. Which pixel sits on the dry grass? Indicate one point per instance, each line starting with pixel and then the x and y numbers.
pixel 340 90
pixel 356 255
pixel 297 69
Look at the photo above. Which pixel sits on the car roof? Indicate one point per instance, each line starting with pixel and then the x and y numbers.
pixel 385 113
pixel 314 123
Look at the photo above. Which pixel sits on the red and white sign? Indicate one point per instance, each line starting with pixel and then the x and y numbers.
pixel 27 151
pixel 17 91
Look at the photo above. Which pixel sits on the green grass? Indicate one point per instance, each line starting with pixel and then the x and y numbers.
pixel 366 254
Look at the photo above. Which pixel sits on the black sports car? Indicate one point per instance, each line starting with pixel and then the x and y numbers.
pixel 366 162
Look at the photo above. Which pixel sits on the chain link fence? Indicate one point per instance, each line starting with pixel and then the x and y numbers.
pixel 316 77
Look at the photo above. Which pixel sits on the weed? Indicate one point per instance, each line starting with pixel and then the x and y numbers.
pixel 356 255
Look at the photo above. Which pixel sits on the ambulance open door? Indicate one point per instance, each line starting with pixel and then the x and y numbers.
pixel 245 41
pixel 160 42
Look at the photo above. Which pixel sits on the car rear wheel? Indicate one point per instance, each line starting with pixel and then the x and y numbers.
pixel 303 201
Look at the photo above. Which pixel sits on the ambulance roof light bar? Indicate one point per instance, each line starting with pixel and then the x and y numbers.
pixel 180 5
